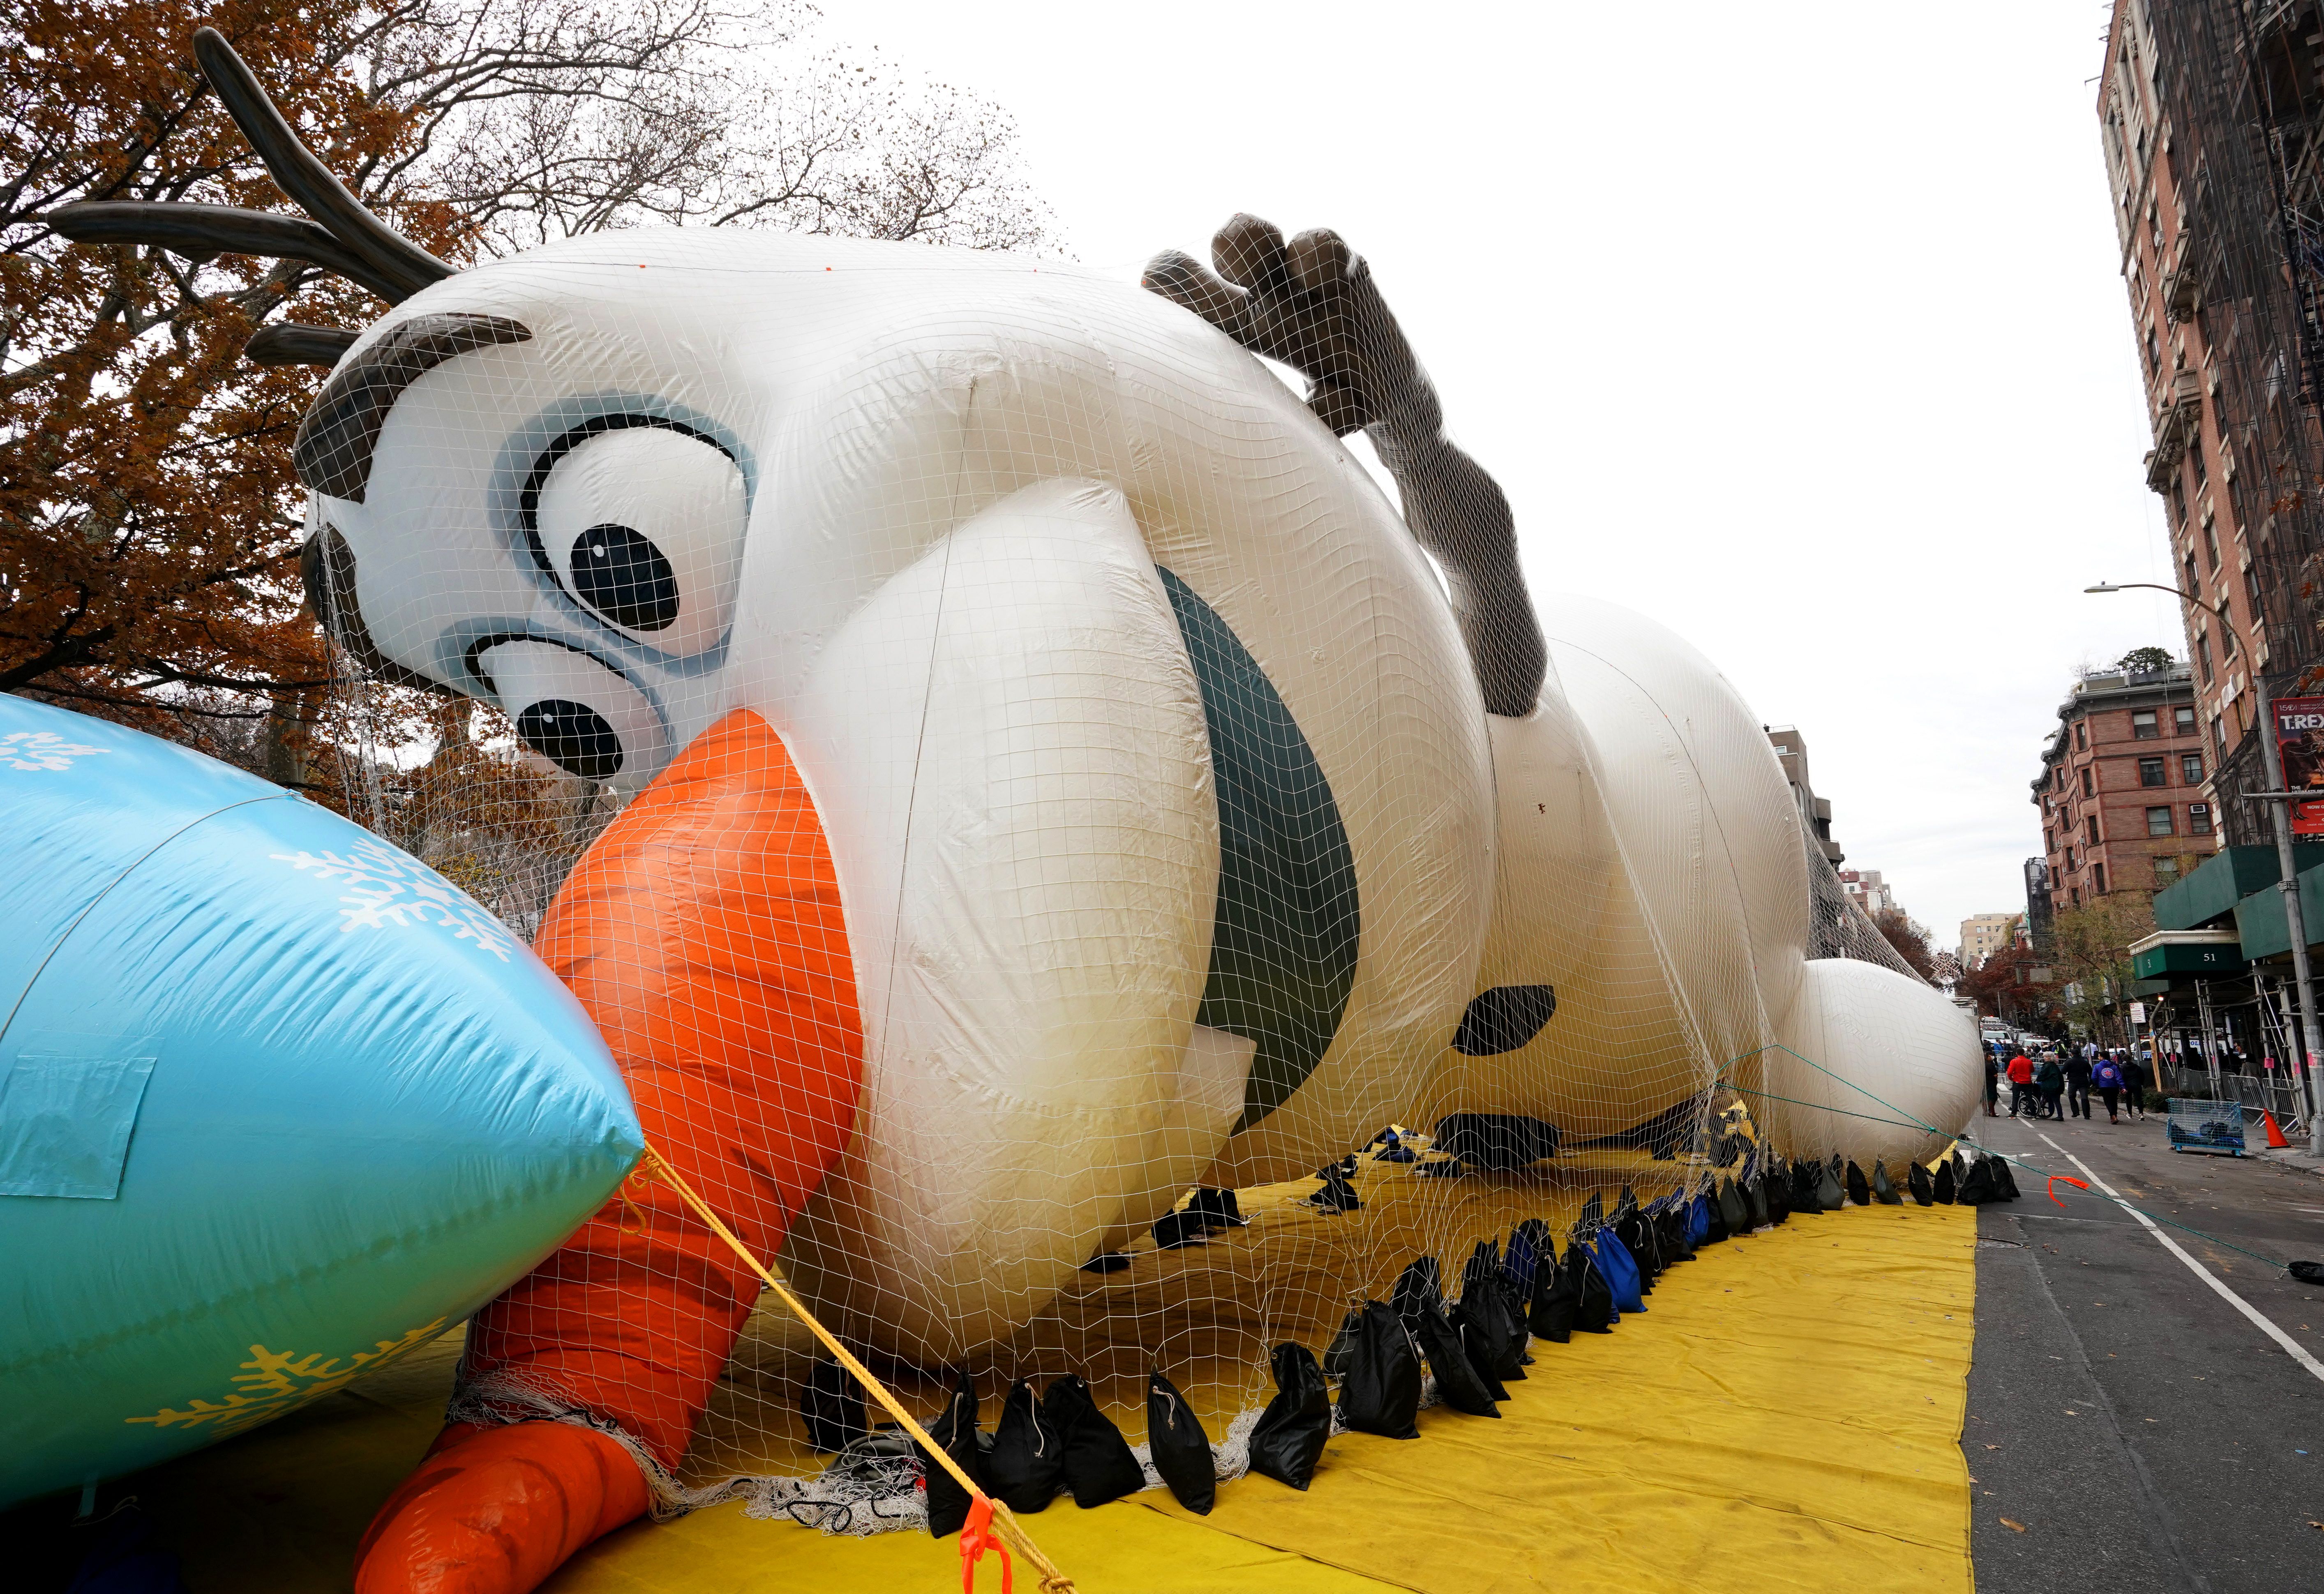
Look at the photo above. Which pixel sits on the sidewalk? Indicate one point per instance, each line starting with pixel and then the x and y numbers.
pixel 2296 1157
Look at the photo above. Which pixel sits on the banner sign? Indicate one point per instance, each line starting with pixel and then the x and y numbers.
pixel 2299 737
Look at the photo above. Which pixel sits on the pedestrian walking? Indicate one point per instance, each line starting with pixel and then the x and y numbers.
pixel 2021 1084
pixel 1992 1085
pixel 2137 1079
pixel 2078 1083
pixel 2049 1080
pixel 2106 1074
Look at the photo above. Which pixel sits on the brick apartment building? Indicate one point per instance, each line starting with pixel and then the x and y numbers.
pixel 2213 128
pixel 2124 790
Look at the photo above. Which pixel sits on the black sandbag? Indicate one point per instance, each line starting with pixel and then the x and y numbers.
pixel 1477 1350
pixel 1977 1188
pixel 1626 1204
pixel 1946 1187
pixel 1672 1234
pixel 1714 1219
pixel 1734 1208
pixel 1381 1392
pixel 1419 1286
pixel 1099 1468
pixel 1858 1190
pixel 1337 1196
pixel 1219 1209
pixel 1549 1314
pixel 1593 1311
pixel 1028 1463
pixel 1173 1229
pixel 1486 1309
pixel 1916 1180
pixel 1181 1450
pixel 1775 1187
pixel 2005 1179
pixel 831 1402
pixel 954 1432
pixel 1631 1232
pixel 1289 1439
pixel 2306 1272
pixel 1458 1383
pixel 1828 1192
pixel 1594 1214
pixel 1803 1192
pixel 1883 1190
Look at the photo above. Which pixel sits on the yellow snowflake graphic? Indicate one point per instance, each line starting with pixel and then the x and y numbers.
pixel 272 1382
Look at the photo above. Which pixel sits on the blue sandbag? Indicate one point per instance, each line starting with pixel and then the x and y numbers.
pixel 1698 1220
pixel 1621 1271
pixel 279 1103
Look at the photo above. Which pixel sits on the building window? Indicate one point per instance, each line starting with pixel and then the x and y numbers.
pixel 2070 860
pixel 2151 773
pixel 2074 895
pixel 2166 872
pixel 2086 780
pixel 2210 534
pixel 2194 582
pixel 2097 880
pixel 2203 654
pixel 2183 721
pixel 2145 725
pixel 2202 476
pixel 2158 822
pixel 2251 586
pixel 2220 735
pixel 2090 830
pixel 2226 632
pixel 2199 818
pixel 2081 737
pixel 2190 769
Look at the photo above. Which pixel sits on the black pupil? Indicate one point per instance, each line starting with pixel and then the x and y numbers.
pixel 622 574
pixel 573 736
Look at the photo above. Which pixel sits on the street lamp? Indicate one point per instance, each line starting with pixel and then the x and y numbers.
pixel 2279 804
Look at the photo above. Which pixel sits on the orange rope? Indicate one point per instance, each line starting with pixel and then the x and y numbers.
pixel 1053 1581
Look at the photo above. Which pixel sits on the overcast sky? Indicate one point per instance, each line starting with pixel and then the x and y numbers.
pixel 1797 327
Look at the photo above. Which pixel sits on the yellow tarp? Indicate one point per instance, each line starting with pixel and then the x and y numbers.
pixel 1786 1416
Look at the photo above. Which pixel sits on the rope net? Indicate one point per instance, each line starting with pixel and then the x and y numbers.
pixel 995 760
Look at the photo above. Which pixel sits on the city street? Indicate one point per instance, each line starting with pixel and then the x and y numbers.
pixel 2130 1430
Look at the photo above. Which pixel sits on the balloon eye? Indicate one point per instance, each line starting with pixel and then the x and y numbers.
pixel 622 574
pixel 573 736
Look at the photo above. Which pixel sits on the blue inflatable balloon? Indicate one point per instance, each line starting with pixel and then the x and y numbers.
pixel 278 1102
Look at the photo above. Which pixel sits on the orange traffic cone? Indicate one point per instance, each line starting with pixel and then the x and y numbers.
pixel 2275 1140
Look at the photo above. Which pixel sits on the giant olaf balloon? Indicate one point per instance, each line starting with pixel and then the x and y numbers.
pixel 1056 773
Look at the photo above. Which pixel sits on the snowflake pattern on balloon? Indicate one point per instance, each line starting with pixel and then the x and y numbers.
pixel 42 749
pixel 272 1382
pixel 383 888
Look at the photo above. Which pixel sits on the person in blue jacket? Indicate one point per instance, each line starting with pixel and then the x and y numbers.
pixel 2106 1078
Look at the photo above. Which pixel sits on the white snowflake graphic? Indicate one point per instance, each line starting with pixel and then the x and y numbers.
pixel 41 750
pixel 384 887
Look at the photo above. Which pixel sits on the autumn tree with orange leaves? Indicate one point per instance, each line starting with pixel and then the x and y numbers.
pixel 149 518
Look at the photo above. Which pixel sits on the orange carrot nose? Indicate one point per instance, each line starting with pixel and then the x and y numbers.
pixel 703 932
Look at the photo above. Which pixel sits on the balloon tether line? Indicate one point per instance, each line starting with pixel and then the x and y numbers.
pixel 1053 1581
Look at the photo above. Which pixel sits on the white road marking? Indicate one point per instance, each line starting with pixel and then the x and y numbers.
pixel 2293 1347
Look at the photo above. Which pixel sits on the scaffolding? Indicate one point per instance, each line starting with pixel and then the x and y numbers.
pixel 2244 116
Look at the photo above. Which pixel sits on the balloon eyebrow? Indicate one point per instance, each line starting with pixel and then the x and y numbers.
pixel 335 441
